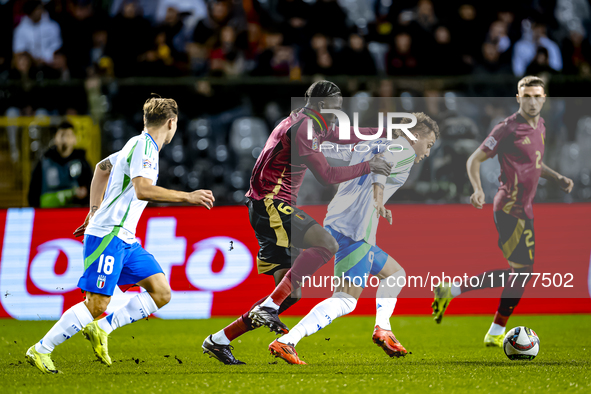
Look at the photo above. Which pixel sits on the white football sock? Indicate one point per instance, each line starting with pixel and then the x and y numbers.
pixel 456 290
pixel 386 297
pixel 496 329
pixel 220 338
pixel 270 304
pixel 320 316
pixel 72 321
pixel 384 309
pixel 138 307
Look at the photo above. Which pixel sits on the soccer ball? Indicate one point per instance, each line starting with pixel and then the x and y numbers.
pixel 521 343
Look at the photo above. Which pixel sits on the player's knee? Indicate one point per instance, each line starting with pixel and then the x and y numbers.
pixel 163 297
pixel 347 302
pixel 525 274
pixel 330 244
pixel 97 304
pixel 96 310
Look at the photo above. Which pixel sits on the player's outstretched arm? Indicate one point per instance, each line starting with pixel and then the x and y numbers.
pixel 328 175
pixel 146 191
pixel 566 184
pixel 473 166
pixel 337 151
pixel 99 182
pixel 333 135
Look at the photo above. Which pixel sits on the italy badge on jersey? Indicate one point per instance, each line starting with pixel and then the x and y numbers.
pixel 100 282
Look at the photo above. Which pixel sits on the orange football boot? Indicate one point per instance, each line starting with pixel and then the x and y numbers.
pixel 285 351
pixel 387 341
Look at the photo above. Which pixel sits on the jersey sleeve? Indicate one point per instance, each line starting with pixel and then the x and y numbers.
pixel 336 151
pixel 144 160
pixel 113 157
pixel 401 160
pixel 380 148
pixel 404 161
pixel 491 144
pixel 398 179
pixel 328 175
pixel 303 145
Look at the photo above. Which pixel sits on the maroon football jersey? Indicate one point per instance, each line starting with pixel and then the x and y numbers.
pixel 279 172
pixel 521 150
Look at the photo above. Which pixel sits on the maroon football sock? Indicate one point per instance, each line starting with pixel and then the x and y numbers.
pixel 241 325
pixel 288 303
pixel 514 289
pixel 501 320
pixel 306 264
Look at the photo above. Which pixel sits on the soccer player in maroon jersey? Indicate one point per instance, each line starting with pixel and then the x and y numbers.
pixel 519 142
pixel 280 227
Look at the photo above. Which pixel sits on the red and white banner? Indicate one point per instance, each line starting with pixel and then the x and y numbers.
pixel 210 258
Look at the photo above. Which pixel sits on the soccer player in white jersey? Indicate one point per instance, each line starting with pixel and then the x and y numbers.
pixel 352 219
pixel 112 255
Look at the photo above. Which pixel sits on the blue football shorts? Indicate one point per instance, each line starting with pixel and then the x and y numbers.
pixel 109 261
pixel 357 259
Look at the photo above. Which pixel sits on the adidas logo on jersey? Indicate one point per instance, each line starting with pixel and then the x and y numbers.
pixel 526 141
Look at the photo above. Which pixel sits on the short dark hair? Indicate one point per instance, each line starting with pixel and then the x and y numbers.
pixel 31 6
pixel 321 89
pixel 158 110
pixel 530 80
pixel 64 125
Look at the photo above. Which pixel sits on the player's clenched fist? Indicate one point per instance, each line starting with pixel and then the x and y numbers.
pixel 379 165
pixel 201 197
pixel 477 199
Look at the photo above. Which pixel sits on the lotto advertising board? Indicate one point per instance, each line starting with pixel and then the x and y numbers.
pixel 209 258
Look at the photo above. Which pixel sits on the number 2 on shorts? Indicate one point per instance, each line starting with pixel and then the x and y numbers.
pixel 109 261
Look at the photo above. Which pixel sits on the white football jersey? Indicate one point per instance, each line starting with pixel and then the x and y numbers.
pixel 352 211
pixel 120 210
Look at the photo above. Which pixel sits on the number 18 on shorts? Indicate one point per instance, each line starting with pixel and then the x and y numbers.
pixel 109 262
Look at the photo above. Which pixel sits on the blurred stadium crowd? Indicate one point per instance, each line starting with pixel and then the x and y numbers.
pixel 233 65
pixel 64 39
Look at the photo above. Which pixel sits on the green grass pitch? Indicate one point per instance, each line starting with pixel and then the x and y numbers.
pixel 165 356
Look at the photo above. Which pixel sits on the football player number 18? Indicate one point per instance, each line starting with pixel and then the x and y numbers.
pixel 108 264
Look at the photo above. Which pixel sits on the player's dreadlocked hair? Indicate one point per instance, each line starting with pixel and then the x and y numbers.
pixel 158 110
pixel 320 89
pixel 424 125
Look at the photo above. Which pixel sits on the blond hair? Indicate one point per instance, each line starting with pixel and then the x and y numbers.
pixel 158 110
pixel 424 125
pixel 530 80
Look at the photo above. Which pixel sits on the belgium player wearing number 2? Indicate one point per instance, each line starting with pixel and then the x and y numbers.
pixel 519 142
